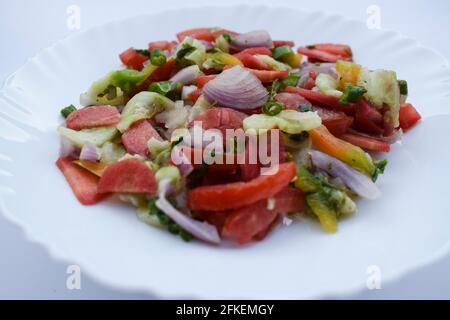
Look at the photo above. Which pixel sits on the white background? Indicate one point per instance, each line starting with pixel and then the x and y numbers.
pixel 28 26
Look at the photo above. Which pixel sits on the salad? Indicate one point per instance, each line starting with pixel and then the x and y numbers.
pixel 222 136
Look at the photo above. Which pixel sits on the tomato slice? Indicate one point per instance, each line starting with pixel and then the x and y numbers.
pixel 408 116
pixel 245 223
pixel 323 56
pixel 368 119
pixel 269 76
pixel 163 45
pixel 202 80
pixel 91 117
pixel 280 43
pixel 136 137
pixel 128 176
pixel 133 59
pixel 292 101
pixel 239 194
pixel 197 33
pixel 337 49
pixel 253 62
pixel 220 118
pixel 253 51
pixel 336 122
pixel 321 99
pixel 84 184
pixel 365 142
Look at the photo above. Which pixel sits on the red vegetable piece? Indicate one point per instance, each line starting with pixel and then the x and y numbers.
pixel 366 142
pixel 91 117
pixel 133 59
pixel 336 122
pixel 408 116
pixel 280 43
pixel 128 176
pixel 83 183
pixel 136 137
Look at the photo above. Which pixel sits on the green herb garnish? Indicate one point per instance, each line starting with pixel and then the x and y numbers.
pixel 379 169
pixel 352 94
pixel 403 85
pixel 68 110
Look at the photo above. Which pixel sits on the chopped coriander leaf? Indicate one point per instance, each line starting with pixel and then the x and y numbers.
pixel 379 169
pixel 272 108
pixel 152 208
pixel 173 228
pixel 185 50
pixel 403 84
pixel 177 142
pixel 185 236
pixel 278 52
pixel 157 57
pixel 161 87
pixel 226 36
pixel 163 218
pixel 304 108
pixel 144 52
pixel 68 110
pixel 275 88
pixel 352 94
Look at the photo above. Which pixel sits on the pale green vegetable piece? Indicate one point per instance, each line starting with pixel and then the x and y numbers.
pixel 111 152
pixel 274 64
pixel 200 106
pixel 169 172
pixel 382 88
pixel 156 146
pixel 289 121
pixel 96 136
pixel 222 44
pixel 198 56
pixel 144 105
pixel 328 85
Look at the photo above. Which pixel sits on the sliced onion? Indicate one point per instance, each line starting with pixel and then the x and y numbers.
pixel 68 149
pixel 236 88
pixel 180 159
pixel 352 178
pixel 185 76
pixel 260 38
pixel 186 91
pixel 306 67
pixel 90 152
pixel 200 230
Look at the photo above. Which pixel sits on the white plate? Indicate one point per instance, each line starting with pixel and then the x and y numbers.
pixel 407 228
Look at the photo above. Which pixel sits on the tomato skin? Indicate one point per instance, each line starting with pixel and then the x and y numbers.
pixel 163 45
pixel 197 33
pixel 128 176
pixel 253 51
pixel 136 137
pixel 220 118
pixel 322 56
pixel 253 62
pixel 239 194
pixel 253 221
pixel 292 101
pixel 269 76
pixel 366 143
pixel 280 43
pixel 337 49
pixel 336 122
pixel 201 81
pixel 133 59
pixel 194 95
pixel 368 119
pixel 321 99
pixel 163 73
pixel 84 184
pixel 408 116
pixel 91 117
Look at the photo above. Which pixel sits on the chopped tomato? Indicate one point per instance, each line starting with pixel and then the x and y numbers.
pixel 322 56
pixel 408 116
pixel 253 51
pixel 253 62
pixel 91 117
pixel 133 59
pixel 136 137
pixel 292 101
pixel 220 118
pixel 365 142
pixel 239 194
pixel 202 80
pixel 163 45
pixel 368 119
pixel 280 43
pixel 342 50
pixel 83 183
pixel 319 98
pixel 336 122
pixel 269 76
pixel 310 83
pixel 197 33
pixel 245 223
pixel 194 95
pixel 128 176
